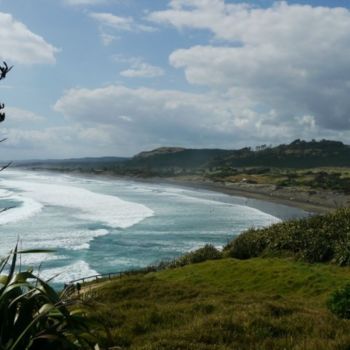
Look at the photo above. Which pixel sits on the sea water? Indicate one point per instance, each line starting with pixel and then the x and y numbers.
pixel 100 225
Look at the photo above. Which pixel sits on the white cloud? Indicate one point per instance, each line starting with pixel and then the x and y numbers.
pixel 19 44
pixel 69 141
pixel 109 24
pixel 107 39
pixel 116 120
pixel 142 70
pixel 119 23
pixel 84 2
pixel 18 115
pixel 116 22
pixel 144 118
pixel 291 59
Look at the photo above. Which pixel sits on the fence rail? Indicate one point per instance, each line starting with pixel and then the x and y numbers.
pixel 97 277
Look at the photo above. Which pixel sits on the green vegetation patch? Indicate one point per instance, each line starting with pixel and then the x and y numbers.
pixel 335 179
pixel 208 252
pixel 223 304
pixel 322 238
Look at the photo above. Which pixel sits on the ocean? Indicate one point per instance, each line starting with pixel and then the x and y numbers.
pixel 99 225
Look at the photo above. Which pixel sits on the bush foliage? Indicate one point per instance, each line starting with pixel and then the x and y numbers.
pixel 208 252
pixel 339 302
pixel 320 238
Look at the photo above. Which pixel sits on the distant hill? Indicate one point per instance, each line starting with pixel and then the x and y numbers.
pixel 298 154
pixel 170 157
pixel 88 162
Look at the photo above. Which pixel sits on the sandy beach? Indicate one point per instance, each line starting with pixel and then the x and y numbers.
pixel 313 201
pixel 310 201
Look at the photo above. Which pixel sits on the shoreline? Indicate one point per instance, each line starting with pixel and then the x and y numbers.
pixel 237 191
pixel 312 202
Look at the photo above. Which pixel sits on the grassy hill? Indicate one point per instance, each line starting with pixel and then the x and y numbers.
pixel 224 304
pixel 276 298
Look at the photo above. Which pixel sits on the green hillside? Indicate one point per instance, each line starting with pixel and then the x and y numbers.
pixel 298 154
pixel 275 301
pixel 169 157
pixel 225 304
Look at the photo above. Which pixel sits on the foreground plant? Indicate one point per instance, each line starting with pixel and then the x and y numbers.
pixel 33 315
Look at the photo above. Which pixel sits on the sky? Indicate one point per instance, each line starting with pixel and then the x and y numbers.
pixel 116 77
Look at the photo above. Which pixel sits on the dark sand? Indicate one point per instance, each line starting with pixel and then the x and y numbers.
pixel 315 201
pixel 308 201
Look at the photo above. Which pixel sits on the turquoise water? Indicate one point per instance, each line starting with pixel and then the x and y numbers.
pixel 100 225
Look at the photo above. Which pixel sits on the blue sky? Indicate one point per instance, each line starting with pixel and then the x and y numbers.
pixel 115 77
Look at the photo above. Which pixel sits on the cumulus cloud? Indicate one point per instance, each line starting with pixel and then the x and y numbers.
pixel 143 105
pixel 290 59
pixel 73 140
pixel 144 118
pixel 19 44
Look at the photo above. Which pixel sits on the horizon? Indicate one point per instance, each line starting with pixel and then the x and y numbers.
pixel 113 78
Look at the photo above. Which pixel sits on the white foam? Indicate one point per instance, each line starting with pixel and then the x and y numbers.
pixel 68 273
pixel 191 196
pixel 76 240
pixel 89 206
pixel 27 208
pixel 127 262
pixel 34 260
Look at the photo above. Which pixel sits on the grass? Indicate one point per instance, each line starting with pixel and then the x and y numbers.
pixel 276 298
pixel 223 304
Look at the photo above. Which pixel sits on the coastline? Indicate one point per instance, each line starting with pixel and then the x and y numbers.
pixel 318 202
pixel 312 202
pixel 261 194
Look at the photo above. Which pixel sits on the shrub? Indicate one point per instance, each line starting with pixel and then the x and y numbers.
pixel 339 302
pixel 208 252
pixel 320 238
pixel 248 245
